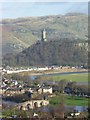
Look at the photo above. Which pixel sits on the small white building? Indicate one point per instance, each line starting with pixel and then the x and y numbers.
pixel 45 90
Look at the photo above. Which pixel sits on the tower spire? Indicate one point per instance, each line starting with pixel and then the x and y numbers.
pixel 44 35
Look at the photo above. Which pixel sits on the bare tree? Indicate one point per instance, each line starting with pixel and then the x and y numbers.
pixel 62 84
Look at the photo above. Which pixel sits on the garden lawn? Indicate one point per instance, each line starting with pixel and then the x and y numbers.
pixel 69 100
pixel 82 77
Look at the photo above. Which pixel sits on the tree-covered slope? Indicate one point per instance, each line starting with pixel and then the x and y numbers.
pixel 55 52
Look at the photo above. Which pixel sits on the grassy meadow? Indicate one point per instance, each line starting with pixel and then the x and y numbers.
pixel 69 100
pixel 71 77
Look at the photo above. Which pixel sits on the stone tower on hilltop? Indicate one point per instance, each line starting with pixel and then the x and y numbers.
pixel 44 35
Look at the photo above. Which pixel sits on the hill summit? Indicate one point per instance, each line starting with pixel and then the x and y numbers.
pixel 18 34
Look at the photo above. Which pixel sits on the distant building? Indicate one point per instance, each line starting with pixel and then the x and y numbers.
pixel 44 35
pixel 45 90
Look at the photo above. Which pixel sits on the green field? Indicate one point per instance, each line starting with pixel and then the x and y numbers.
pixel 71 77
pixel 69 100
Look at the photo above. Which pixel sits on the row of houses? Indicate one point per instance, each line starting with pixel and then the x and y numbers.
pixel 17 70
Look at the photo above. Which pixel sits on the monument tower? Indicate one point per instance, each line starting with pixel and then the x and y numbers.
pixel 44 35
